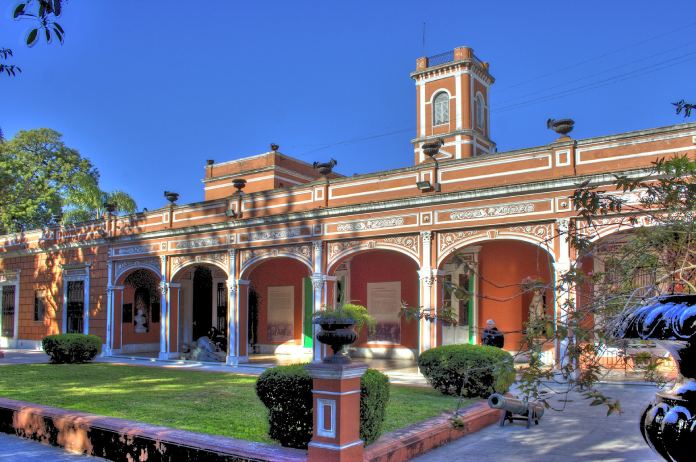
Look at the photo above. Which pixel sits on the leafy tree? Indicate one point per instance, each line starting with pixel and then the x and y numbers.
pixel 41 178
pixel 89 202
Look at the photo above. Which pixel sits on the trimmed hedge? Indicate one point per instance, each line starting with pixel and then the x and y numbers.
pixel 287 393
pixel 468 370
pixel 71 348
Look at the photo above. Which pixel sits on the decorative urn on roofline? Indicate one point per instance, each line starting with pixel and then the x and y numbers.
pixel 668 424
pixel 561 126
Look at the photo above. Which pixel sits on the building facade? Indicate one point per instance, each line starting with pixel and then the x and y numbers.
pixel 256 262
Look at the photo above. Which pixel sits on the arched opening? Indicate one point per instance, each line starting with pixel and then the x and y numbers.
pixel 382 281
pixel 137 314
pixel 280 309
pixel 198 310
pixel 494 278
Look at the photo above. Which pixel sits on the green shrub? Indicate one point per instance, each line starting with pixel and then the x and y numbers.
pixel 468 370
pixel 287 393
pixel 374 396
pixel 71 348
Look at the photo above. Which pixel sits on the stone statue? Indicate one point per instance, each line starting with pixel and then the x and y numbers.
pixel 140 319
pixel 536 307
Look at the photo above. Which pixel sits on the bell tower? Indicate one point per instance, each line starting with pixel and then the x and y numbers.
pixel 452 91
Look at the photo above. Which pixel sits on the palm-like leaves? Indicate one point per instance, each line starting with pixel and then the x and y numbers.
pixel 87 201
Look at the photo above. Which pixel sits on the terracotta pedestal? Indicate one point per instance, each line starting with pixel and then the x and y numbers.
pixel 336 435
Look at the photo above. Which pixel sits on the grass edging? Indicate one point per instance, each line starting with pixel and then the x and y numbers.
pixel 115 439
pixel 416 439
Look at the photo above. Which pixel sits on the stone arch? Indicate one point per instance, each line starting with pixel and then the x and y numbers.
pixel 406 245
pixel 465 240
pixel 123 268
pixel 249 264
pixel 184 262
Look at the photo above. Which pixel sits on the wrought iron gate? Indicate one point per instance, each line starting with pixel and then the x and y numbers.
pixel 8 311
pixel 76 306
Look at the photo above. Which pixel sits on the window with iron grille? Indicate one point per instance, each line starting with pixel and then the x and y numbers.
pixel 8 311
pixel 39 305
pixel 441 108
pixel 76 306
pixel 222 308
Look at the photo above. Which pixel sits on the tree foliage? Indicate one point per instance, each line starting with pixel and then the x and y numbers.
pixel 41 178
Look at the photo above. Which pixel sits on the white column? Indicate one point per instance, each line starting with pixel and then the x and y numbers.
pixel 164 310
pixel 16 311
pixel 85 319
pixel 108 346
pixel 317 285
pixel 232 358
pixel 564 296
pixel 426 287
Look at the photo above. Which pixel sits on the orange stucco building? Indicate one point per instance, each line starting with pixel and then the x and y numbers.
pixel 257 262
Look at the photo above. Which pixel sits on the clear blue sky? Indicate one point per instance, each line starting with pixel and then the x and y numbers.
pixel 149 90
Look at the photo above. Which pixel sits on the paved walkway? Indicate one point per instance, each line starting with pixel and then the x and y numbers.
pixel 580 433
pixel 15 449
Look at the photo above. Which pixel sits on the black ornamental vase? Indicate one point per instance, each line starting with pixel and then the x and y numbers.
pixel 668 424
pixel 336 333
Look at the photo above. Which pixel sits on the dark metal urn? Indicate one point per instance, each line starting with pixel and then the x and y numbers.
pixel 336 333
pixel 561 126
pixel 668 424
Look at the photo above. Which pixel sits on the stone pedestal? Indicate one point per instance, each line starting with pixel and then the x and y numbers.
pixel 336 394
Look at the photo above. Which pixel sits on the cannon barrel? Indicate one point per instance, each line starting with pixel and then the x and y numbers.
pixel 515 406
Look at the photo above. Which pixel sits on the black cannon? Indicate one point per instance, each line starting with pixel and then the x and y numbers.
pixel 516 409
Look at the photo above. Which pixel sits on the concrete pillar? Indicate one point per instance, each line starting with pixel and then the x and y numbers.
pixel 232 358
pixel 336 401
pixel 565 295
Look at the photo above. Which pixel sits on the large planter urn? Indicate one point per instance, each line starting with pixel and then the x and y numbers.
pixel 336 333
pixel 668 424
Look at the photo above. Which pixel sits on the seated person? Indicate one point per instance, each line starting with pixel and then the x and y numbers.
pixel 491 336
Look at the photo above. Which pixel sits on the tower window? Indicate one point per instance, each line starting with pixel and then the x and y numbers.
pixel 441 109
pixel 480 112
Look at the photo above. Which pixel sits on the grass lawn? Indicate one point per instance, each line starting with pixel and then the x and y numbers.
pixel 205 402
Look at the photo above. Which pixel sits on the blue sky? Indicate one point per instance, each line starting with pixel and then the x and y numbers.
pixel 149 90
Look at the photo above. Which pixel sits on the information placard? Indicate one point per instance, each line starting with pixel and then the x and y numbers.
pixel 280 314
pixel 384 304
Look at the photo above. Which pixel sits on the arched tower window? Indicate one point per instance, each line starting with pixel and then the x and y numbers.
pixel 480 112
pixel 441 108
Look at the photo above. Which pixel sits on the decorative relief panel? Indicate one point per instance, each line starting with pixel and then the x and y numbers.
pixel 220 259
pixel 8 276
pixel 450 241
pixel 367 225
pixel 196 243
pixel 373 224
pixel 409 244
pixel 152 263
pixel 276 234
pixel 495 211
pixel 248 256
pixel 140 249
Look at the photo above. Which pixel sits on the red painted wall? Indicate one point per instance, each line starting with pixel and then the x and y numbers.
pixel 503 265
pixel 386 266
pixel 279 272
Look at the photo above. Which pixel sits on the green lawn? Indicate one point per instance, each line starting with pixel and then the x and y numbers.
pixel 205 402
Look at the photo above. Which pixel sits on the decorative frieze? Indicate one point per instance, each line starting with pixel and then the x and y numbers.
pixel 140 249
pixel 220 259
pixel 491 212
pixel 409 244
pixel 151 263
pixel 369 225
pixel 278 234
pixel 8 276
pixel 301 252
pixel 197 243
